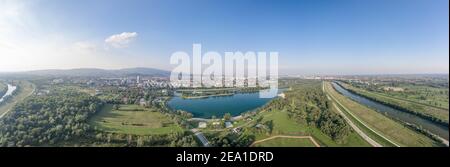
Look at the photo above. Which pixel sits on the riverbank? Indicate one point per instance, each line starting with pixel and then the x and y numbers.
pixel 417 123
pixel 439 117
pixel 24 89
pixel 392 130
pixel 10 90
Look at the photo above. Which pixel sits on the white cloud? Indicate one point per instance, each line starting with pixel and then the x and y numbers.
pixel 121 40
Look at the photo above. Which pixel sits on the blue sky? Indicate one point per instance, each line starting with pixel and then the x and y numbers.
pixel 311 36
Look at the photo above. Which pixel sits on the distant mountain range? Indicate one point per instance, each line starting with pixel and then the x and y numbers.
pixel 95 72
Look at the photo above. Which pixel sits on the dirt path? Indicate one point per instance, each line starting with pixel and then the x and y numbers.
pixel 291 137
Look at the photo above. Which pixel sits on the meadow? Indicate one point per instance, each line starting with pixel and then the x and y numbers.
pixel 283 125
pixel 133 119
pixel 286 142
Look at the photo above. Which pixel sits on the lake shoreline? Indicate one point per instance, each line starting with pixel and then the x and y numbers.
pixel 218 105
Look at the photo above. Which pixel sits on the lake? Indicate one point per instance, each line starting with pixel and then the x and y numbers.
pixel 435 128
pixel 219 106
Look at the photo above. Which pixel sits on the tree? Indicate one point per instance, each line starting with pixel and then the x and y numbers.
pixel 227 117
pixel 116 107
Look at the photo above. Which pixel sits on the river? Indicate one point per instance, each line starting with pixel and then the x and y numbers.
pixel 9 92
pixel 433 127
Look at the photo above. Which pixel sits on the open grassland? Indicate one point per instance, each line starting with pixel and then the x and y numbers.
pixel 283 125
pixel 285 142
pixel 438 114
pixel 24 89
pixel 372 134
pixel 133 119
pixel 426 95
pixel 390 129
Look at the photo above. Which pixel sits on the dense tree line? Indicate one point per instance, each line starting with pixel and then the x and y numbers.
pixel 48 119
pixel 231 140
pixel 118 95
pixel 308 104
pixel 61 118
pixel 181 139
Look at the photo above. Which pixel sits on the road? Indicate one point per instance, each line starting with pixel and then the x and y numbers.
pixel 356 128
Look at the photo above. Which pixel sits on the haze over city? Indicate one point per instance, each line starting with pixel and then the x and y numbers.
pixel 265 74
pixel 312 37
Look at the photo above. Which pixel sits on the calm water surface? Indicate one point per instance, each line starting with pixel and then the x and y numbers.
pixel 218 106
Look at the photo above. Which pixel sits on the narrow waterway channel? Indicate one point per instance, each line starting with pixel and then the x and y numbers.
pixel 433 127
pixel 9 92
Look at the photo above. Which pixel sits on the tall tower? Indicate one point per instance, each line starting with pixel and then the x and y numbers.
pixel 138 79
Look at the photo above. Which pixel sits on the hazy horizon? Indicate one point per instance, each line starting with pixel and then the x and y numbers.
pixel 347 37
pixel 280 73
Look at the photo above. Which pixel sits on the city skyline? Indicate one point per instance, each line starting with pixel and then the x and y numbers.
pixel 312 37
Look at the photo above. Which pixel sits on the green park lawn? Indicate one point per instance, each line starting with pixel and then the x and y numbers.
pixel 286 142
pixel 133 119
pixel 283 125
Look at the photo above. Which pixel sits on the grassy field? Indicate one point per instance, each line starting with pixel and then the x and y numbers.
pixel 285 126
pixel 427 95
pixel 286 142
pixel 422 108
pixel 25 89
pixel 133 119
pixel 389 128
pixel 369 132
